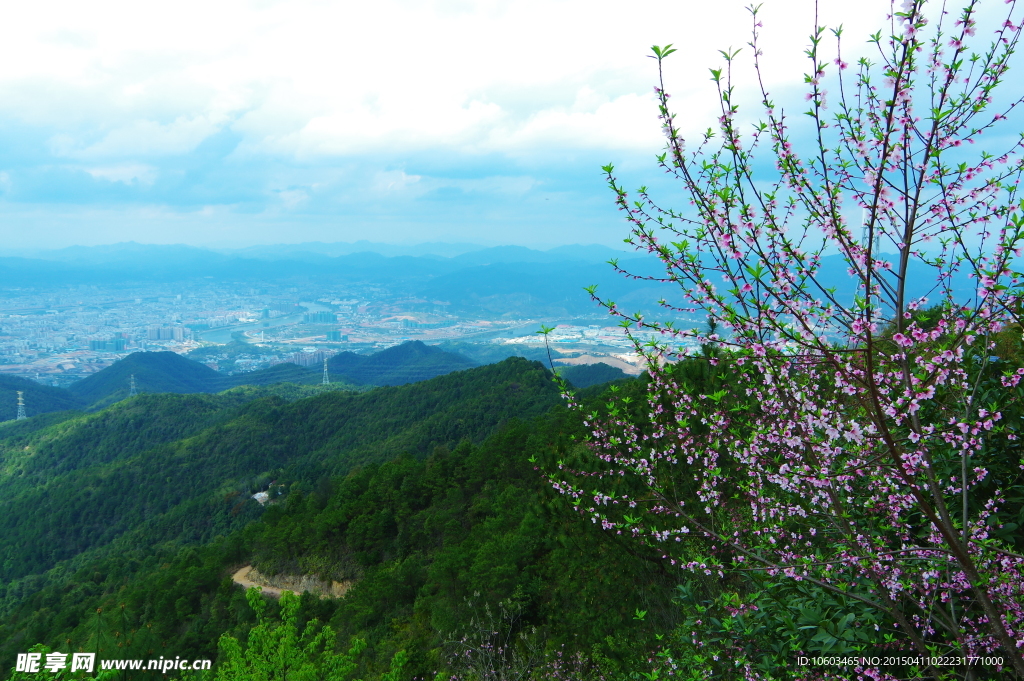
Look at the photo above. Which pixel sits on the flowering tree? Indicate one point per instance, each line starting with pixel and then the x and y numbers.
pixel 858 438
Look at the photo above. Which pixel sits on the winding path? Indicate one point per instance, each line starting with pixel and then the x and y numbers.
pixel 297 584
pixel 241 577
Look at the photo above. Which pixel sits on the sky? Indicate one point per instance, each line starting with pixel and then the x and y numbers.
pixel 235 123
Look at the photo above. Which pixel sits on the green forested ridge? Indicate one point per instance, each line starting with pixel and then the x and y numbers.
pixel 145 456
pixel 433 541
pixel 124 429
pixel 406 363
pixel 168 372
pixel 279 373
pixel 39 399
pixel 156 372
pixel 586 375
pixel 434 529
pixel 179 468
pixel 487 353
pixel 79 484
pixel 120 531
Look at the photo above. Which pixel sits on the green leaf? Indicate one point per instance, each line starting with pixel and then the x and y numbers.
pixel 662 52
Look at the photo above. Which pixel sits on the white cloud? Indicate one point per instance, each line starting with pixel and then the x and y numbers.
pixel 394 181
pixel 150 138
pixel 292 198
pixel 608 125
pixel 326 78
pixel 126 173
pixel 326 103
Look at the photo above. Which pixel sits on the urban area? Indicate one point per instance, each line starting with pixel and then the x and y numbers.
pixel 61 335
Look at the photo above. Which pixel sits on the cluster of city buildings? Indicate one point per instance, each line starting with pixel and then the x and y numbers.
pixel 61 335
pixel 590 344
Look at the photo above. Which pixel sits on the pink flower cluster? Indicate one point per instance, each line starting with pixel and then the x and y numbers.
pixel 851 443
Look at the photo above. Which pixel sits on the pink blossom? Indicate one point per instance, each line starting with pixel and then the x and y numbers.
pixel 902 340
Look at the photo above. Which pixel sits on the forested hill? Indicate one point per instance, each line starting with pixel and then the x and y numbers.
pixel 39 399
pixel 133 518
pixel 154 372
pixel 179 467
pixel 406 363
pixel 586 375
pixel 168 372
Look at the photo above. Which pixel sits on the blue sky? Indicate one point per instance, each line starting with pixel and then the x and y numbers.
pixel 234 123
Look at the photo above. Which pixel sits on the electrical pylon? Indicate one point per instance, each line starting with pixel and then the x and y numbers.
pixel 327 380
pixel 131 390
pixel 21 406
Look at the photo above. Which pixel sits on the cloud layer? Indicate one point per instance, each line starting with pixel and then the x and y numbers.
pixel 237 122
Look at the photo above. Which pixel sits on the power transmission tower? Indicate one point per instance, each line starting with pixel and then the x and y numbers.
pixel 131 391
pixel 327 380
pixel 21 406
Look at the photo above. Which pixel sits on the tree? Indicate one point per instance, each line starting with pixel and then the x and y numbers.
pixel 276 650
pixel 852 434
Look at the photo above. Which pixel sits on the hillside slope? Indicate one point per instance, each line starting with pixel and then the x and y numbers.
pixel 39 399
pixel 409 362
pixel 168 372
pixel 154 372
pixel 425 498
pixel 586 375
pixel 150 467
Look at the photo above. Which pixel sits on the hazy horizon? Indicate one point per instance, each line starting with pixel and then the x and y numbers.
pixel 297 245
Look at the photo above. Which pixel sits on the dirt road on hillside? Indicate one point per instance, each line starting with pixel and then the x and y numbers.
pixel 241 577
pixel 275 585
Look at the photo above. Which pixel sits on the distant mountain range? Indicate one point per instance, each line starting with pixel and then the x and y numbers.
pixel 168 372
pixel 135 256
pixel 510 281
pixel 275 251
pixel 314 250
